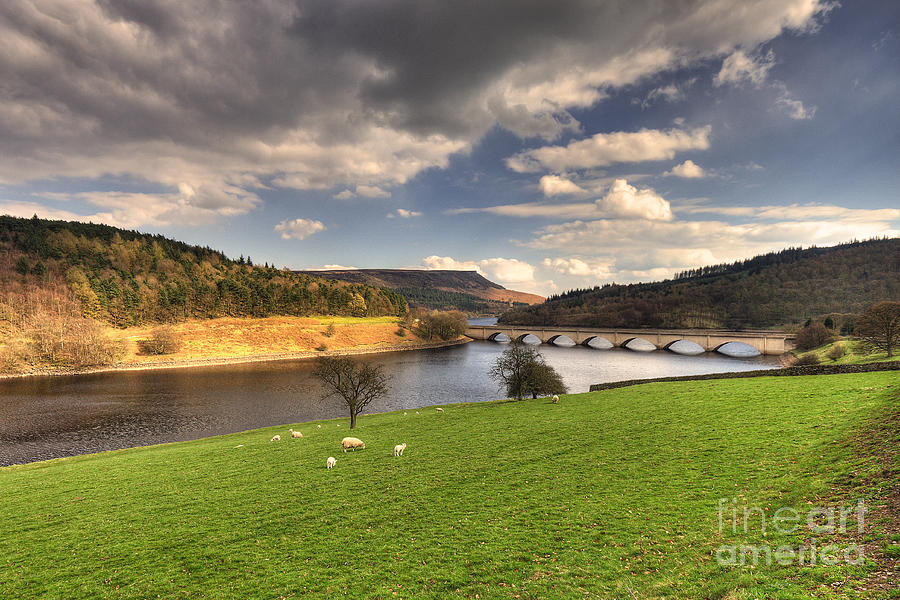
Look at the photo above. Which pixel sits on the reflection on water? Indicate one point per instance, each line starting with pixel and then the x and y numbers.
pixel 738 350
pixel 686 347
pixel 46 417
pixel 640 345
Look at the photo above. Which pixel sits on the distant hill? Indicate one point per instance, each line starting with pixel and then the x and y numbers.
pixel 774 289
pixel 439 289
pixel 126 278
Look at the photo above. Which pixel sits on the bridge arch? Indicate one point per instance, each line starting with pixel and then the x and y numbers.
pixel 737 349
pixel 684 347
pixel 561 340
pixel 638 344
pixel 499 337
pixel 523 339
pixel 598 342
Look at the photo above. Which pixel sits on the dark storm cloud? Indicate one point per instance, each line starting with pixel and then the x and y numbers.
pixel 207 96
pixel 435 55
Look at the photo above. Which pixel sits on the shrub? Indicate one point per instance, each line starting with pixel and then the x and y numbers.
pixel 401 332
pixel 807 359
pixel 836 351
pixel 329 331
pixel 445 325
pixel 162 340
pixel 813 336
pixel 322 347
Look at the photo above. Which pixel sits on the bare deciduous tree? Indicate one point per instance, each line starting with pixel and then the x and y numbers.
pixel 358 383
pixel 879 326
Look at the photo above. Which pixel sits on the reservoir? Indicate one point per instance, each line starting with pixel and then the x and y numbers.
pixel 48 417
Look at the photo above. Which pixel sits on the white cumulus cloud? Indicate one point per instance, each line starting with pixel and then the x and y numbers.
pixel 554 185
pixel 577 267
pixel 298 229
pixel 627 202
pixel 501 270
pixel 688 169
pixel 604 149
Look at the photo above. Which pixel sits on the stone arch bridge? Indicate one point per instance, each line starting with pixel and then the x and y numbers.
pixel 764 341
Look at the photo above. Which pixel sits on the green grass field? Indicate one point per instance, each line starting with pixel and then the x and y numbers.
pixel 611 494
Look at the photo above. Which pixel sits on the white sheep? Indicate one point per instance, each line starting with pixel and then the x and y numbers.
pixel 439 409
pixel 399 448
pixel 295 434
pixel 275 438
pixel 555 399
pixel 330 462
pixel 417 412
pixel 352 443
pixel 318 427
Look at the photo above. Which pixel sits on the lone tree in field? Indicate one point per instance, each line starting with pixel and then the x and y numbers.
pixel 879 326
pixel 358 383
pixel 522 370
pixel 543 380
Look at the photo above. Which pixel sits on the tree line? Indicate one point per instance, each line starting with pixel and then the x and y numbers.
pixel 770 290
pixel 126 278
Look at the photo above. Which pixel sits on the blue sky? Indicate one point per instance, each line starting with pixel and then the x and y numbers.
pixel 549 145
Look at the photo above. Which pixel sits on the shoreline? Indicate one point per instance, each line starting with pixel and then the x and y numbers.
pixel 235 360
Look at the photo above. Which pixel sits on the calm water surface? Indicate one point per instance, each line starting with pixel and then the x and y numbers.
pixel 48 417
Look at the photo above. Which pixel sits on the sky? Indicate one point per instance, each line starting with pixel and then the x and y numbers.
pixel 549 145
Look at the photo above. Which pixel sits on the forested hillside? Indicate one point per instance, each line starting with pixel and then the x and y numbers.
pixel 125 278
pixel 774 289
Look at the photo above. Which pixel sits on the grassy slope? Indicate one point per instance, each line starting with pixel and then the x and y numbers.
pixel 230 337
pixel 855 353
pixel 494 500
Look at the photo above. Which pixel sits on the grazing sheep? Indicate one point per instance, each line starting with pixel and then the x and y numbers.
pixel 330 462
pixel 555 399
pixel 352 443
pixel 404 414
pixel 439 409
pixel 295 434
pixel 399 448
pixel 275 438
pixel 318 427
pixel 417 412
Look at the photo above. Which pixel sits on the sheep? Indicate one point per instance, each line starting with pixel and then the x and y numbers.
pixel 330 462
pixel 417 412
pixel 399 448
pixel 352 443
pixel 318 427
pixel 295 434
pixel 275 438
pixel 439 409
pixel 555 399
